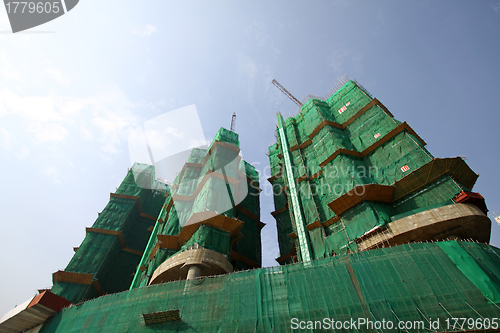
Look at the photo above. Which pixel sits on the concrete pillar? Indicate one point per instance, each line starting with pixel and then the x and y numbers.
pixel 193 272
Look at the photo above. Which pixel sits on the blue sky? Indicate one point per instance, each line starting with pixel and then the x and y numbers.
pixel 72 90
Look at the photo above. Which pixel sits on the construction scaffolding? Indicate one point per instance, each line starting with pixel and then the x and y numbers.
pixel 213 204
pixel 108 256
pixel 417 283
pixel 371 228
pixel 357 169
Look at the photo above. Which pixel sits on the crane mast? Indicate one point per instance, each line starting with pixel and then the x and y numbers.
pixel 287 93
pixel 233 122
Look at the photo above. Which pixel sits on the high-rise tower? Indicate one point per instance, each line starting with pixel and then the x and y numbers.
pixel 107 258
pixel 348 176
pixel 369 227
pixel 210 221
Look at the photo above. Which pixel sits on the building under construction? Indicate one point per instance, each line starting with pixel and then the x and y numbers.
pixel 372 230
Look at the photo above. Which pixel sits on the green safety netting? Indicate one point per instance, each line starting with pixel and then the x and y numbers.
pixel 415 282
pixel 111 252
pixel 388 160
pixel 279 194
pixel 344 173
pixel 274 160
pixel 322 197
pixel 370 127
pixel 217 180
pixel 352 101
pixel 483 273
pixel 197 155
pixel 437 194
pixel 364 217
pixel 338 242
pixel 317 237
pixel 227 136
pixel 315 112
pixel 301 132
pixel 340 93
pixel 252 246
pixel 311 161
pixel 210 238
pixel 308 205
pixel 330 161
pixel 328 140
pixel 284 227
pixel 111 249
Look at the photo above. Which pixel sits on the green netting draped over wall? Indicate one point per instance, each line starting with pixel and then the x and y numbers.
pixel 360 219
pixel 284 228
pixel 416 282
pixel 484 275
pixel 210 238
pixel 346 142
pixel 111 259
pixel 227 136
pixel 436 194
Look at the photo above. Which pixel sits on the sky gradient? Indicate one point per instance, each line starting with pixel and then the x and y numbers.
pixel 72 90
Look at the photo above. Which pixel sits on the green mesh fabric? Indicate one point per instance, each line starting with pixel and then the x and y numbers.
pixel 369 127
pixel 215 180
pixel 227 136
pixel 103 255
pixel 274 160
pixel 284 227
pixel 309 207
pixel 197 155
pixel 434 195
pixel 337 243
pixel 279 194
pixel 387 160
pixel 362 218
pixel 317 237
pixel 210 238
pixel 413 282
pixel 481 272
pixel 335 148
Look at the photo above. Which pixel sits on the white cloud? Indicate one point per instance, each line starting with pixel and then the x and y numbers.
pixel 496 7
pixel 106 116
pixel 247 66
pixel 47 132
pixel 87 134
pixel 259 31
pixel 5 139
pixel 53 173
pixel 23 153
pixel 7 71
pixel 344 61
pixel 57 75
pixel 113 129
pixel 36 108
pixel 4 22
pixel 145 31
pixel 338 59
pixel 7 143
pixel 110 123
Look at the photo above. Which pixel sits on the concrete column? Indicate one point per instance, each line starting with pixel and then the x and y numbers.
pixel 193 272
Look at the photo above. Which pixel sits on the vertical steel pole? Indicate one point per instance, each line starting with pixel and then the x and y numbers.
pixel 304 246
